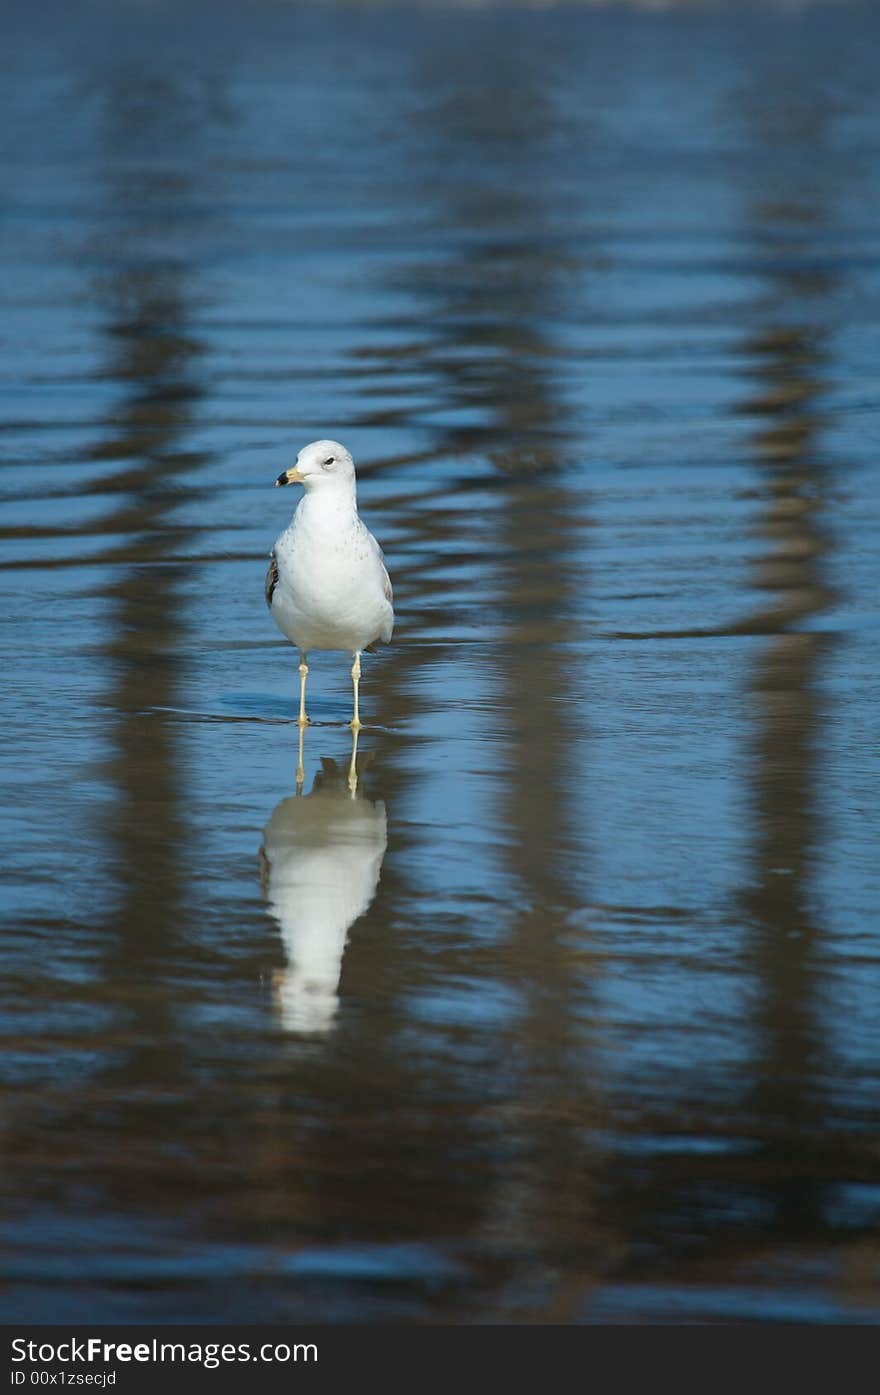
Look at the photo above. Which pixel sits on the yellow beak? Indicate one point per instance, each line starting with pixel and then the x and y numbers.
pixel 291 476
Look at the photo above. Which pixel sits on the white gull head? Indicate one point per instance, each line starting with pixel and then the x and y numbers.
pixel 319 465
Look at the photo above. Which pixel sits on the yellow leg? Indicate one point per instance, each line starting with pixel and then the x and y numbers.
pixel 352 769
pixel 300 768
pixel 303 675
pixel 356 678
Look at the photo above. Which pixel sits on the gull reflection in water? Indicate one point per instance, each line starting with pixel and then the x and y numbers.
pixel 320 861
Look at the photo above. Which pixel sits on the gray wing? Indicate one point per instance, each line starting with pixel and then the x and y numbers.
pixel 386 579
pixel 271 578
pixel 387 589
pixel 386 634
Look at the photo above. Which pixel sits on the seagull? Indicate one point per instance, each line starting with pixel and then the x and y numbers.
pixel 327 585
pixel 319 865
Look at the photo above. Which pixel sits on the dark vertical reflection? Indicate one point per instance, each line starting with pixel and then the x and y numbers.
pixel 145 293
pixel 782 1191
pixel 497 291
pixel 777 1189
pixel 789 359
pixel 124 1122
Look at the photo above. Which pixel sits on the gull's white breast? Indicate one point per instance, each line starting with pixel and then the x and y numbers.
pixel 332 590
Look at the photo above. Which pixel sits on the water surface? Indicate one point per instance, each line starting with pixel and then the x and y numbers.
pixel 570 1013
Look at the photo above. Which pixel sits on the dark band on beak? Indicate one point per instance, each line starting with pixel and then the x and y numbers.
pixel 291 476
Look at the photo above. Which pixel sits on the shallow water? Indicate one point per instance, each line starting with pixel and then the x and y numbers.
pixel 570 1014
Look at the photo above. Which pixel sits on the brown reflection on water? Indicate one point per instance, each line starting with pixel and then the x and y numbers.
pixel 784 932
pixel 777 1187
pixel 786 703
pixel 789 1099
pixel 146 326
pixel 501 291
pixel 546 1200
pixel 116 1125
pixel 789 351
pixel 153 355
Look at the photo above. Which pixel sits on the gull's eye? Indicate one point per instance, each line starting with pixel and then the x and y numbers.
pixel 330 460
